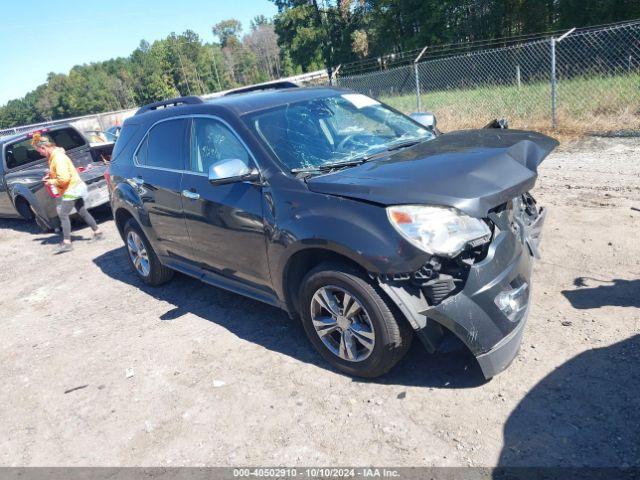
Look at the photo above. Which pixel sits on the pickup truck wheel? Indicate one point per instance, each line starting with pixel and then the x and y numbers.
pixel 349 322
pixel 142 258
pixel 24 209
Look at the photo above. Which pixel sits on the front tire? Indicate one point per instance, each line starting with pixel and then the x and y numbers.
pixel 142 258
pixel 350 324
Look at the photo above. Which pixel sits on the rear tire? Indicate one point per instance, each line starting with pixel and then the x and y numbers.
pixel 24 209
pixel 142 258
pixel 358 334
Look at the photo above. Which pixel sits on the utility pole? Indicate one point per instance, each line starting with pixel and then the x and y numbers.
pixel 182 66
pixel 327 46
pixel 215 66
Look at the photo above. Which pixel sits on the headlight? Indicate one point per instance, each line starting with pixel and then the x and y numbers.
pixel 438 230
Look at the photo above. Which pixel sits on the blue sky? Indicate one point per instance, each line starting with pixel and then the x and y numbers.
pixel 69 33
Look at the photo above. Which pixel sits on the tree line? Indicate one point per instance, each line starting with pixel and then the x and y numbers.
pixel 176 65
pixel 315 33
pixel 304 35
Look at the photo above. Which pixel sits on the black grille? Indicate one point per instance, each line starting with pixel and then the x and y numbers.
pixel 439 289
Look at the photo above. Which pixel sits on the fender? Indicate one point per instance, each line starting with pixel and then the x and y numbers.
pixel 125 197
pixel 33 191
pixel 359 231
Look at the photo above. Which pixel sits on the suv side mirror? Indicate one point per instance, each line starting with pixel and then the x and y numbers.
pixel 231 170
pixel 426 119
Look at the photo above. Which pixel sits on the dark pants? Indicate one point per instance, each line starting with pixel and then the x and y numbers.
pixel 64 210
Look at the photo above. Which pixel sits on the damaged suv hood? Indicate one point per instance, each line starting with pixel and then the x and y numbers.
pixel 471 170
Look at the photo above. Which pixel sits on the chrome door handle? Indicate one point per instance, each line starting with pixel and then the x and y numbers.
pixel 190 194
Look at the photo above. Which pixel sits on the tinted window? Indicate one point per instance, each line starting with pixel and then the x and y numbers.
pixel 125 137
pixel 67 138
pixel 167 145
pixel 211 142
pixel 21 153
pixel 141 156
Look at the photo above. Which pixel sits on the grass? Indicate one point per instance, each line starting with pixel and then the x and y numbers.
pixel 584 105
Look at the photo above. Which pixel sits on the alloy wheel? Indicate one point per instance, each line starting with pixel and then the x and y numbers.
pixel 342 323
pixel 138 254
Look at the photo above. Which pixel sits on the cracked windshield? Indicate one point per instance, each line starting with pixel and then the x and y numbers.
pixel 334 131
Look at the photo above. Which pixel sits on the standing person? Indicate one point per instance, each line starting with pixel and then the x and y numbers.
pixel 64 176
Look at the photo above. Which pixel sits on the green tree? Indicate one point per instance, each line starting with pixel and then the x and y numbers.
pixel 226 30
pixel 259 21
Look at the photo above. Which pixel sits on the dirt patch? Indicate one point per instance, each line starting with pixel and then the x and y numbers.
pixel 98 369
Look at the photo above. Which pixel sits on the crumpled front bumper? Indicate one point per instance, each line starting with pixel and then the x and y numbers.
pixel 492 332
pixel 474 314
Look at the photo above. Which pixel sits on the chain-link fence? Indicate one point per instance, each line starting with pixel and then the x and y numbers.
pixel 584 81
pixel 588 80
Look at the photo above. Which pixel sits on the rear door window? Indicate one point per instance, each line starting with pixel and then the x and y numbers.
pixel 166 145
pixel 21 153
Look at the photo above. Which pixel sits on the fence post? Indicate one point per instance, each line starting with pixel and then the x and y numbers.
pixel 334 76
pixel 418 107
pixel 415 67
pixel 553 84
pixel 554 78
pixel 518 77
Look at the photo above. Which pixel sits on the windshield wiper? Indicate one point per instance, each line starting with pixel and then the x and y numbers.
pixel 357 160
pixel 330 166
pixel 398 146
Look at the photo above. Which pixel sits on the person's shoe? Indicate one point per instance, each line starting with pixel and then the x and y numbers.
pixel 64 247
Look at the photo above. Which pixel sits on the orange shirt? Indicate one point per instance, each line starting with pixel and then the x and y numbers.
pixel 62 171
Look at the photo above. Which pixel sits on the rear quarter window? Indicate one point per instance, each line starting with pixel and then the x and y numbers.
pixel 124 139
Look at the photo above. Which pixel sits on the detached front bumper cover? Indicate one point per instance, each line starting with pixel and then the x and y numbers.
pixel 490 313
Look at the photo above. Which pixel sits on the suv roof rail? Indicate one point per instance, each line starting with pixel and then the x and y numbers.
pixel 190 100
pixel 264 86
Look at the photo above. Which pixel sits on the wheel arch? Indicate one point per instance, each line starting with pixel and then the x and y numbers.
pixel 126 204
pixel 21 199
pixel 302 262
pixel 121 216
pixel 45 212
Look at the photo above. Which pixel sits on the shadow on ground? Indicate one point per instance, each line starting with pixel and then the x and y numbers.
pixel 585 413
pixel 101 214
pixel 19 225
pixel 616 292
pixel 271 328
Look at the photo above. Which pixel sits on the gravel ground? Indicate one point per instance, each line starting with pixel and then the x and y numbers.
pixel 99 370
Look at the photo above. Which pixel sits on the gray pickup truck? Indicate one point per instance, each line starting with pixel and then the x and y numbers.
pixel 22 191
